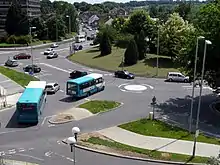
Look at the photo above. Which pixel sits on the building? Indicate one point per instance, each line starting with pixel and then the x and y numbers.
pixel 93 21
pixel 119 12
pixel 32 6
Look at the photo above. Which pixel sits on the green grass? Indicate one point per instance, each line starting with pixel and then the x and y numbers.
pixel 148 153
pixel 20 78
pixel 9 45
pixel 112 62
pixel 161 129
pixel 17 45
pixel 97 106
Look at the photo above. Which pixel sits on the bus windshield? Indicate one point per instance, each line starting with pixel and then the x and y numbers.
pixel 71 88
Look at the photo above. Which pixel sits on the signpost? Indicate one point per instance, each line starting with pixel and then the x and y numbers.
pixel 154 102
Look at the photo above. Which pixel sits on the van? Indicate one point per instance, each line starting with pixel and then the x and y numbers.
pixel 177 77
pixel 80 38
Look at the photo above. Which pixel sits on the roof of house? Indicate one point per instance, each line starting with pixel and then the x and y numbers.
pixel 93 18
pixel 109 22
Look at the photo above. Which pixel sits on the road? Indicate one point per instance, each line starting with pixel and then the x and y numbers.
pixel 172 101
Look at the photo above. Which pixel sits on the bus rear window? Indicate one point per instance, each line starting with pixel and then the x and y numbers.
pixel 26 107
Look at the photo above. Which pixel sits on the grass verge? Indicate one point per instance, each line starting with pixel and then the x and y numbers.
pixel 122 148
pixel 160 129
pixel 5 45
pixel 97 106
pixel 20 78
pixel 112 62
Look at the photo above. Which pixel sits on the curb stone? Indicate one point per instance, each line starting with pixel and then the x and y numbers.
pixel 16 162
pixel 129 157
pixel 61 122
pixel 121 104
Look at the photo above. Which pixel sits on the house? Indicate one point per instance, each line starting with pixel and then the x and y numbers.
pixel 93 21
pixel 109 22
pixel 119 12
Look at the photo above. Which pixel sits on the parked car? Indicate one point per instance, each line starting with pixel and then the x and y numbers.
pixel 52 55
pixel 177 77
pixel 22 56
pixel 54 45
pixel 52 87
pixel 124 74
pixel 78 47
pixel 76 74
pixel 48 51
pixel 29 68
pixel 11 63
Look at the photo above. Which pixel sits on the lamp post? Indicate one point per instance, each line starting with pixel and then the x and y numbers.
pixel 75 132
pixel 194 79
pixel 153 103
pixel 72 141
pixel 67 16
pixel 32 58
pixel 207 42
pixel 158 49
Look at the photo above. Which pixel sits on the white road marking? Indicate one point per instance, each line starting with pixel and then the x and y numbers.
pixel 30 156
pixel 61 90
pixel 43 121
pixel 2 153
pixel 72 160
pixel 30 149
pixel 151 87
pixel 9 52
pixel 43 75
pixel 58 50
pixel 87 99
pixel 54 67
pixel 5 81
pixel 48 154
pixel 12 151
pixel 51 125
pixel 21 150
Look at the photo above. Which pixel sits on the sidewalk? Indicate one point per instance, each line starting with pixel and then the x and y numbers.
pixel 36 46
pixel 15 162
pixel 160 144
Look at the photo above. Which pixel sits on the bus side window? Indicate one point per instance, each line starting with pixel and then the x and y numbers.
pixel 97 81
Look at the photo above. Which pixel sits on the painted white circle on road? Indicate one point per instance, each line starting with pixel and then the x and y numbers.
pixel 135 87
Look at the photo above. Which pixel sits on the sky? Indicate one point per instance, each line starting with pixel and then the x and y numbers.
pixel 97 1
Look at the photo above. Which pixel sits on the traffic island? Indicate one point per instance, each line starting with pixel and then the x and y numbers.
pixel 18 77
pixel 100 106
pixel 158 128
pixel 96 142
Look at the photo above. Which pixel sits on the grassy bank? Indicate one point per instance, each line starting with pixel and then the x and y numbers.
pixel 97 106
pixel 20 78
pixel 160 129
pixel 133 151
pixel 146 67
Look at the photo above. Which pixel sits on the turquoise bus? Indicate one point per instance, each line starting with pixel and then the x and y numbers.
pixel 31 103
pixel 85 86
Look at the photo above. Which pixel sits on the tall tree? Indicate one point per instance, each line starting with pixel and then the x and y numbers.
pixel 105 45
pixel 16 21
pixel 183 9
pixel 174 35
pixel 131 54
pixel 141 44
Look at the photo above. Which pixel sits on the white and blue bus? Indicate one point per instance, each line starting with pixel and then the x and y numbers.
pixel 86 85
pixel 31 103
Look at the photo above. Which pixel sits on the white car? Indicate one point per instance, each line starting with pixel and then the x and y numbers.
pixel 54 45
pixel 177 77
pixel 52 87
pixel 48 51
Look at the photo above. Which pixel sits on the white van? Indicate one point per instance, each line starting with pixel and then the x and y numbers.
pixel 80 38
pixel 177 76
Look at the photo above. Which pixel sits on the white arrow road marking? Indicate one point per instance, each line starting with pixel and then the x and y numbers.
pixel 72 160
pixel 54 67
pixel 30 156
pixel 48 154
pixel 12 151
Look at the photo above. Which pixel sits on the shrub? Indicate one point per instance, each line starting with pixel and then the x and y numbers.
pixel 11 39
pixel 123 40
pixel 105 45
pixel 23 39
pixel 131 53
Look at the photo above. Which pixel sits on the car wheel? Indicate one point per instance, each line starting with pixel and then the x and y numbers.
pixel 185 81
pixel 170 80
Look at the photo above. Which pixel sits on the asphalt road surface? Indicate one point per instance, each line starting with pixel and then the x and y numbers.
pixel 173 103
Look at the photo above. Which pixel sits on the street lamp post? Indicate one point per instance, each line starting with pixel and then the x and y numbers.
pixel 158 49
pixel 72 141
pixel 75 132
pixel 32 58
pixel 207 42
pixel 194 79
pixel 69 23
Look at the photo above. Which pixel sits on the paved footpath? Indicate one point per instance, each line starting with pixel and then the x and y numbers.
pixel 160 144
pixel 15 162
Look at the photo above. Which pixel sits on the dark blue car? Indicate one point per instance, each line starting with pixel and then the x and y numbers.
pixel 124 74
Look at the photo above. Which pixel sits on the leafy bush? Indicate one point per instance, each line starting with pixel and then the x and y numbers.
pixel 23 39
pixel 12 39
pixel 122 40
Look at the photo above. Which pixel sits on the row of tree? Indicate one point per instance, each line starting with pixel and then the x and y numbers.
pixel 53 24
pixel 177 38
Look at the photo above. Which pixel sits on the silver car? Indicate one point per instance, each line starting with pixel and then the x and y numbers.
pixel 52 87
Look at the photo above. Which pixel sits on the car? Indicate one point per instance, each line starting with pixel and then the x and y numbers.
pixel 76 74
pixel 90 29
pixel 177 77
pixel 124 74
pixel 78 47
pixel 22 56
pixel 54 45
pixel 29 68
pixel 52 55
pixel 52 87
pixel 11 63
pixel 48 51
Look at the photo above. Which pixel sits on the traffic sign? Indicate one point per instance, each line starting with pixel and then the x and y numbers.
pixel 154 100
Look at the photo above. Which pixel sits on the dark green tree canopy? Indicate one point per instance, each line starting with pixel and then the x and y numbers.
pixel 105 45
pixel 131 54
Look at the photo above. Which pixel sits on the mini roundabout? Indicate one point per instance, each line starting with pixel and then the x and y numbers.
pixel 135 88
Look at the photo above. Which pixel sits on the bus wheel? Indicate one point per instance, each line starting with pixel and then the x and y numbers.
pixel 88 94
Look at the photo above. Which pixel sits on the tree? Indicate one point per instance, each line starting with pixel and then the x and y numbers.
pixel 41 29
pixel 141 44
pixel 119 23
pixel 105 45
pixel 174 35
pixel 131 54
pixel 214 161
pixel 183 9
pixel 16 21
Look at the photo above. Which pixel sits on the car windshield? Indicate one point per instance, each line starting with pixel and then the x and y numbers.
pixel 126 72
pixel 49 86
pixel 49 49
